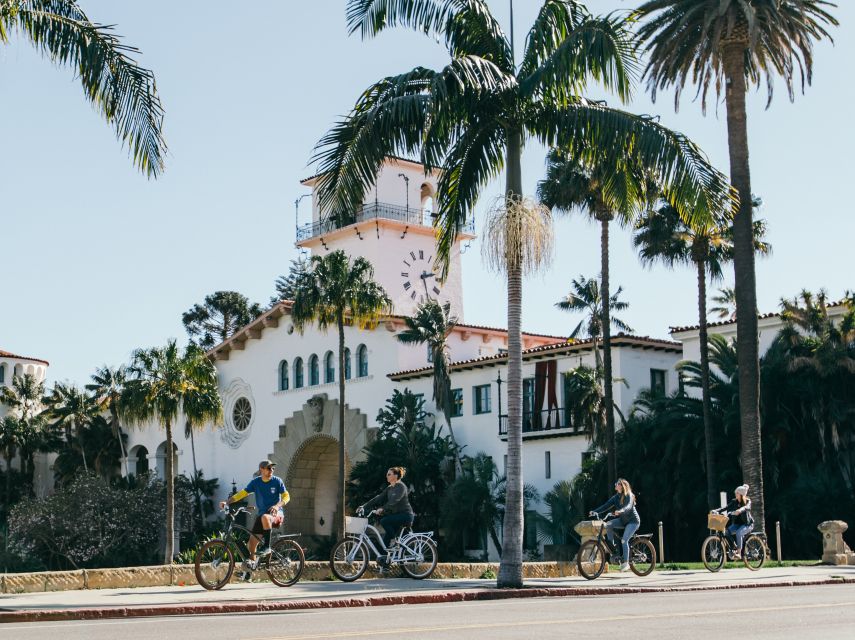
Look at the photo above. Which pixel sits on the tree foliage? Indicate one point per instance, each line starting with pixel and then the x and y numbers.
pixel 221 315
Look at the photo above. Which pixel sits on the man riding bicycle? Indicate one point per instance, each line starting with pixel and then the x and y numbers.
pixel 270 498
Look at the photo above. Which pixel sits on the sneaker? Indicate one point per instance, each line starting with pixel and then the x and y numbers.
pixel 383 561
pixel 244 576
pixel 624 566
pixel 250 565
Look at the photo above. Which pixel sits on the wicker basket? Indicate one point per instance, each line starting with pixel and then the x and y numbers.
pixel 355 525
pixel 717 522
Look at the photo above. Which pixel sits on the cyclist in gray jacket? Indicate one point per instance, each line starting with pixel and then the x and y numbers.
pixel 394 506
pixel 622 506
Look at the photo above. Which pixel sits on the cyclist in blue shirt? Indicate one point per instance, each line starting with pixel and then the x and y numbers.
pixel 270 496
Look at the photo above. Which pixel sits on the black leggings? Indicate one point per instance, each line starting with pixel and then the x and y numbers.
pixel 392 524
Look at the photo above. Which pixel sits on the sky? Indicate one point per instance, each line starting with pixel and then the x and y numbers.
pixel 97 260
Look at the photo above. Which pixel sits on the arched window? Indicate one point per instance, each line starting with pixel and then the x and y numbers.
pixel 426 194
pixel 329 367
pixel 2 373
pixel 361 361
pixel 141 467
pixel 347 364
pixel 298 373
pixel 283 375
pixel 314 371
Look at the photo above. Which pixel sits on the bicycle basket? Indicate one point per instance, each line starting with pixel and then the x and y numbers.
pixel 717 522
pixel 355 525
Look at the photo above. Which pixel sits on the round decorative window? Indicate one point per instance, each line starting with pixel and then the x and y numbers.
pixel 242 414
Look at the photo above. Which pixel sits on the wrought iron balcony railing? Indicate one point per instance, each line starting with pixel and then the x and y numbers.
pixel 544 422
pixel 370 212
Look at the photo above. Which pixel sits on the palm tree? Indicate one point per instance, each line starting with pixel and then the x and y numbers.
pixel 163 382
pixel 729 44
pixel 472 118
pixel 604 192
pixel 106 388
pixel 123 92
pixel 662 236
pixel 219 317
pixel 431 325
pixel 725 301
pixel 11 434
pixel 335 291
pixel 72 410
pixel 24 397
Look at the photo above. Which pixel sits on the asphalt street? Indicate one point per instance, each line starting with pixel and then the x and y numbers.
pixel 826 612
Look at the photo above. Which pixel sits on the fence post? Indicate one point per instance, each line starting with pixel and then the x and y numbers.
pixel 778 537
pixel 661 546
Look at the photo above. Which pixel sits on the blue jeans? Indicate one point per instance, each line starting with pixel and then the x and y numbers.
pixel 628 531
pixel 392 524
pixel 739 532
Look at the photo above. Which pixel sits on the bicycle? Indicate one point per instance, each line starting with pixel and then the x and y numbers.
pixel 414 552
pixel 283 558
pixel 718 546
pixel 594 554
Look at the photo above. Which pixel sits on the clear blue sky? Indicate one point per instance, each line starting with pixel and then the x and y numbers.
pixel 95 260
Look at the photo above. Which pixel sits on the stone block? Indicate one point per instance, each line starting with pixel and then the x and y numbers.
pixel 183 574
pixel 64 580
pixel 159 576
pixel 23 582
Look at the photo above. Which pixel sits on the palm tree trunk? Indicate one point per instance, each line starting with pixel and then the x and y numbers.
pixel 510 568
pixel 170 496
pixel 608 400
pixel 341 449
pixel 82 449
pixel 115 415
pixel 196 480
pixel 705 385
pixel 747 349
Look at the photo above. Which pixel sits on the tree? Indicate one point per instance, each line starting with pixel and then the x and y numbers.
pixel 729 44
pixel 336 291
pixel 103 452
pixel 725 308
pixel 106 388
pixel 11 434
pixel 585 297
pixel 604 192
pixel 472 118
pixel 24 397
pixel 72 410
pixel 163 382
pixel 219 317
pixel 286 286
pixel 661 236
pixel 431 325
pixel 123 92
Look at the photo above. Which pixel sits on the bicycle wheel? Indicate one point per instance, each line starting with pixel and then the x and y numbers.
pixel 424 551
pixel 754 552
pixel 349 560
pixel 214 564
pixel 591 559
pixel 642 556
pixel 713 553
pixel 286 562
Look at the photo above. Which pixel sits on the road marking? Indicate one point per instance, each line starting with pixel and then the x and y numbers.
pixel 147 620
pixel 530 623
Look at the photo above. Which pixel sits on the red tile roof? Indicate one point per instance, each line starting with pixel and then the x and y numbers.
pixel 722 323
pixel 6 354
pixel 620 340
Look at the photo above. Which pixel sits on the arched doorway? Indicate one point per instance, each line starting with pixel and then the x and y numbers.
pixel 312 481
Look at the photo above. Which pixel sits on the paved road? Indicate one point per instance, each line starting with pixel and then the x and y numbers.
pixel 826 612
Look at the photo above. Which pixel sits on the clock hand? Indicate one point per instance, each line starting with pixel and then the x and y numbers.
pixel 425 275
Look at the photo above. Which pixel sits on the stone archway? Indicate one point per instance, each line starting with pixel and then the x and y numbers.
pixel 312 480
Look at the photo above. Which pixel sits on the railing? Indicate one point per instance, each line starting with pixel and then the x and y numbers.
pixel 559 419
pixel 407 215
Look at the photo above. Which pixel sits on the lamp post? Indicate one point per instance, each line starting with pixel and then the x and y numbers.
pixel 407 187
pixel 499 396
pixel 297 216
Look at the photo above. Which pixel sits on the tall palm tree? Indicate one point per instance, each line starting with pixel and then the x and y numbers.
pixel 605 192
pixel 728 45
pixel 123 92
pixel 106 389
pixel 335 291
pixel 431 325
pixel 163 382
pixel 472 118
pixel 72 410
pixel 11 435
pixel 24 397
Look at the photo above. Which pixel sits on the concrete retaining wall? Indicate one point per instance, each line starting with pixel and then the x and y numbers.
pixel 182 575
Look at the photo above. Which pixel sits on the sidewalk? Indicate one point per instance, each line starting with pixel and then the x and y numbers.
pixel 158 601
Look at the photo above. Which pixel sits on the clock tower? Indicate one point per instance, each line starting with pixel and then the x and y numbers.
pixel 394 231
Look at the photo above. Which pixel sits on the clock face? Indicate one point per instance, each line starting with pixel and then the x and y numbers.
pixel 418 277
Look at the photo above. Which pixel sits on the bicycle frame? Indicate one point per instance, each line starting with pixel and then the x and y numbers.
pixel 403 541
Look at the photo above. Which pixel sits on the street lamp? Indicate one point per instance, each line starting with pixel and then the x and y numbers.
pixel 297 216
pixel 407 187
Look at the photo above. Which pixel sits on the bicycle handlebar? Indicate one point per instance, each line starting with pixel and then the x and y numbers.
pixel 596 516
pixel 234 512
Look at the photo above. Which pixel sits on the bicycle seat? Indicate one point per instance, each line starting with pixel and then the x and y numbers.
pixel 643 535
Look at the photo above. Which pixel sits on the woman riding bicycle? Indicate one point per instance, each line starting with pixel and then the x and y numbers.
pixel 394 507
pixel 741 522
pixel 622 506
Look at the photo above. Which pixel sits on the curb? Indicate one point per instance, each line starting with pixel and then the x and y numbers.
pixel 376 601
